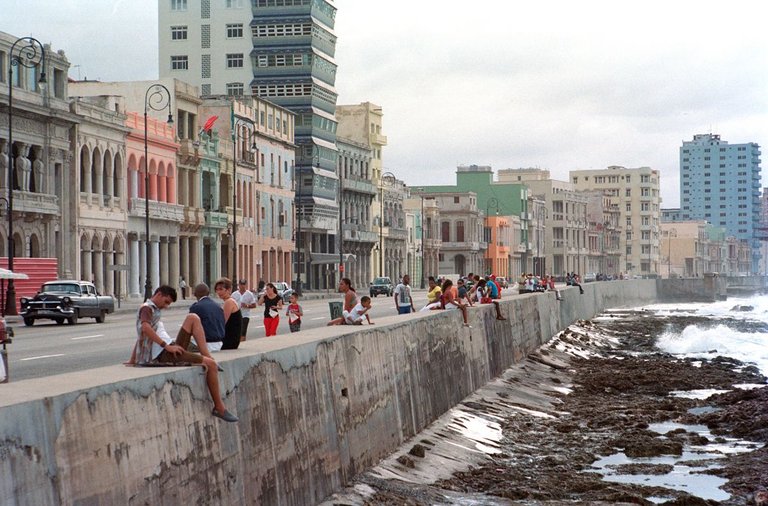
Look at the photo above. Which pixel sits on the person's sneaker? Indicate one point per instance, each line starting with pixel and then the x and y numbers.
pixel 226 415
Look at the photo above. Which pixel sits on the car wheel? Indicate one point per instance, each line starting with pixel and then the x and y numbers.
pixel 29 322
pixel 59 321
pixel 101 317
pixel 72 320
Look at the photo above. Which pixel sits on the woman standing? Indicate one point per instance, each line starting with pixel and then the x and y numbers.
pixel 233 317
pixel 272 306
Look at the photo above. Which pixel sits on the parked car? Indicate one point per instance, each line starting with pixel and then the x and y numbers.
pixel 502 281
pixel 381 286
pixel 590 277
pixel 284 290
pixel 66 300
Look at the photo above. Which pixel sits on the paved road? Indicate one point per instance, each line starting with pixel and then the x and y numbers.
pixel 47 349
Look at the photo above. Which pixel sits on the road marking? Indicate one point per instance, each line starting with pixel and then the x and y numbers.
pixel 259 327
pixel 87 337
pixel 320 318
pixel 41 356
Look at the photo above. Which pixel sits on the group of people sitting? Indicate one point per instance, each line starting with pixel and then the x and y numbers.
pixel 213 327
pixel 467 291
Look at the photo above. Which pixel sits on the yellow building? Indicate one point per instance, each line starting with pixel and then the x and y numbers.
pixel 636 193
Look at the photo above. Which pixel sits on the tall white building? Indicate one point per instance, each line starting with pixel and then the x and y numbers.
pixel 636 192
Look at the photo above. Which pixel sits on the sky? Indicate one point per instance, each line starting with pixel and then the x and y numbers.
pixel 554 84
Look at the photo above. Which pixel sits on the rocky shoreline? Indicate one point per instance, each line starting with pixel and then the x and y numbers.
pixel 594 391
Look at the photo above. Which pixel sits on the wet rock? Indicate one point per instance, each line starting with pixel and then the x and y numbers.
pixel 417 451
pixel 406 461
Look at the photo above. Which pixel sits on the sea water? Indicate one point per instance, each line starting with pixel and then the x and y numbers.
pixel 706 342
pixel 701 341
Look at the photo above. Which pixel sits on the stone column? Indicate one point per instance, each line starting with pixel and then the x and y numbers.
pixel 165 278
pixel 134 263
pixel 195 276
pixel 154 269
pixel 181 251
pixel 173 262
pixel 98 270
pixel 142 247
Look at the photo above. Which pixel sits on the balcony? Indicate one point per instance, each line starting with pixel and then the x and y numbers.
pixel 359 185
pixel 157 210
pixel 35 203
pixel 463 246
pixel 216 219
pixel 379 139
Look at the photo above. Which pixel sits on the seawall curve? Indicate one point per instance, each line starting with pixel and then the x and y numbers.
pixel 315 408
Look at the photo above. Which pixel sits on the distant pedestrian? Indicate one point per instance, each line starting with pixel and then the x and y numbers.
pixel 402 295
pixel 294 312
pixel 183 287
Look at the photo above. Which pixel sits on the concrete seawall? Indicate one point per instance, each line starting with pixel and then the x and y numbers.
pixel 315 408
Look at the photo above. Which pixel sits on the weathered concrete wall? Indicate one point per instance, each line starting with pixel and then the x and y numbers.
pixel 315 408
pixel 709 288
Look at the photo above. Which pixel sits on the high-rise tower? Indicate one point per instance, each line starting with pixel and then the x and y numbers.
pixel 282 51
pixel 720 183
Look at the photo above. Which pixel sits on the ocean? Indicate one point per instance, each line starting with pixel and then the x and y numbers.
pixel 741 334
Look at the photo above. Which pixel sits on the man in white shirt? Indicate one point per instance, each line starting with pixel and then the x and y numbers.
pixel 403 299
pixel 246 300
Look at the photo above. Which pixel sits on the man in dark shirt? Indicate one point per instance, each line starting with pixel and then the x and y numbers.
pixel 211 316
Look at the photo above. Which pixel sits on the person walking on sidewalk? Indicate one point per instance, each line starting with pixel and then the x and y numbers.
pixel 272 306
pixel 247 301
pixel 402 295
pixel 183 288
pixel 155 347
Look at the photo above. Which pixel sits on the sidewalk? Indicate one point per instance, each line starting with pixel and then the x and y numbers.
pixel 130 306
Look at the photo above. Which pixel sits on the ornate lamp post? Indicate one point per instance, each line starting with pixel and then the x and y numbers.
pixel 237 123
pixel 386 178
pixel 31 53
pixel 156 98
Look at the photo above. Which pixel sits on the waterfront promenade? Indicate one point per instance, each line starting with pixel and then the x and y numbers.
pixel 315 409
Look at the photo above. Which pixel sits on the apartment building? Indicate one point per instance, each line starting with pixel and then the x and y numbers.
pixel 565 237
pixel 720 183
pixel 281 51
pixel 636 193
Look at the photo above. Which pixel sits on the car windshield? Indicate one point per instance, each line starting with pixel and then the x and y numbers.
pixel 61 288
pixel 381 281
pixel 280 286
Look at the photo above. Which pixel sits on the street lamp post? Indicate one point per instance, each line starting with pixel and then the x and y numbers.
pixel 156 98
pixel 236 124
pixel 297 200
pixel 670 234
pixel 31 53
pixel 423 251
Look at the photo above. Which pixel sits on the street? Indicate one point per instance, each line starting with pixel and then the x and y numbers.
pixel 46 349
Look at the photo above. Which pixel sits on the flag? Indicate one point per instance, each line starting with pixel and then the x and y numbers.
pixel 208 126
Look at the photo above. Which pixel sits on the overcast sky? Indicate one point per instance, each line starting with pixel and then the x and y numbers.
pixel 560 85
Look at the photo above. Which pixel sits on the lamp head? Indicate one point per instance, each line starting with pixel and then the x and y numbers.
pixel 42 79
pixel 170 119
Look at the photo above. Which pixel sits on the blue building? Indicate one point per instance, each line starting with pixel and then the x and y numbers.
pixel 720 183
pixel 293 66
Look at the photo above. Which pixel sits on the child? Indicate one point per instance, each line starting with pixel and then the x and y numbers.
pixel 294 313
pixel 355 317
